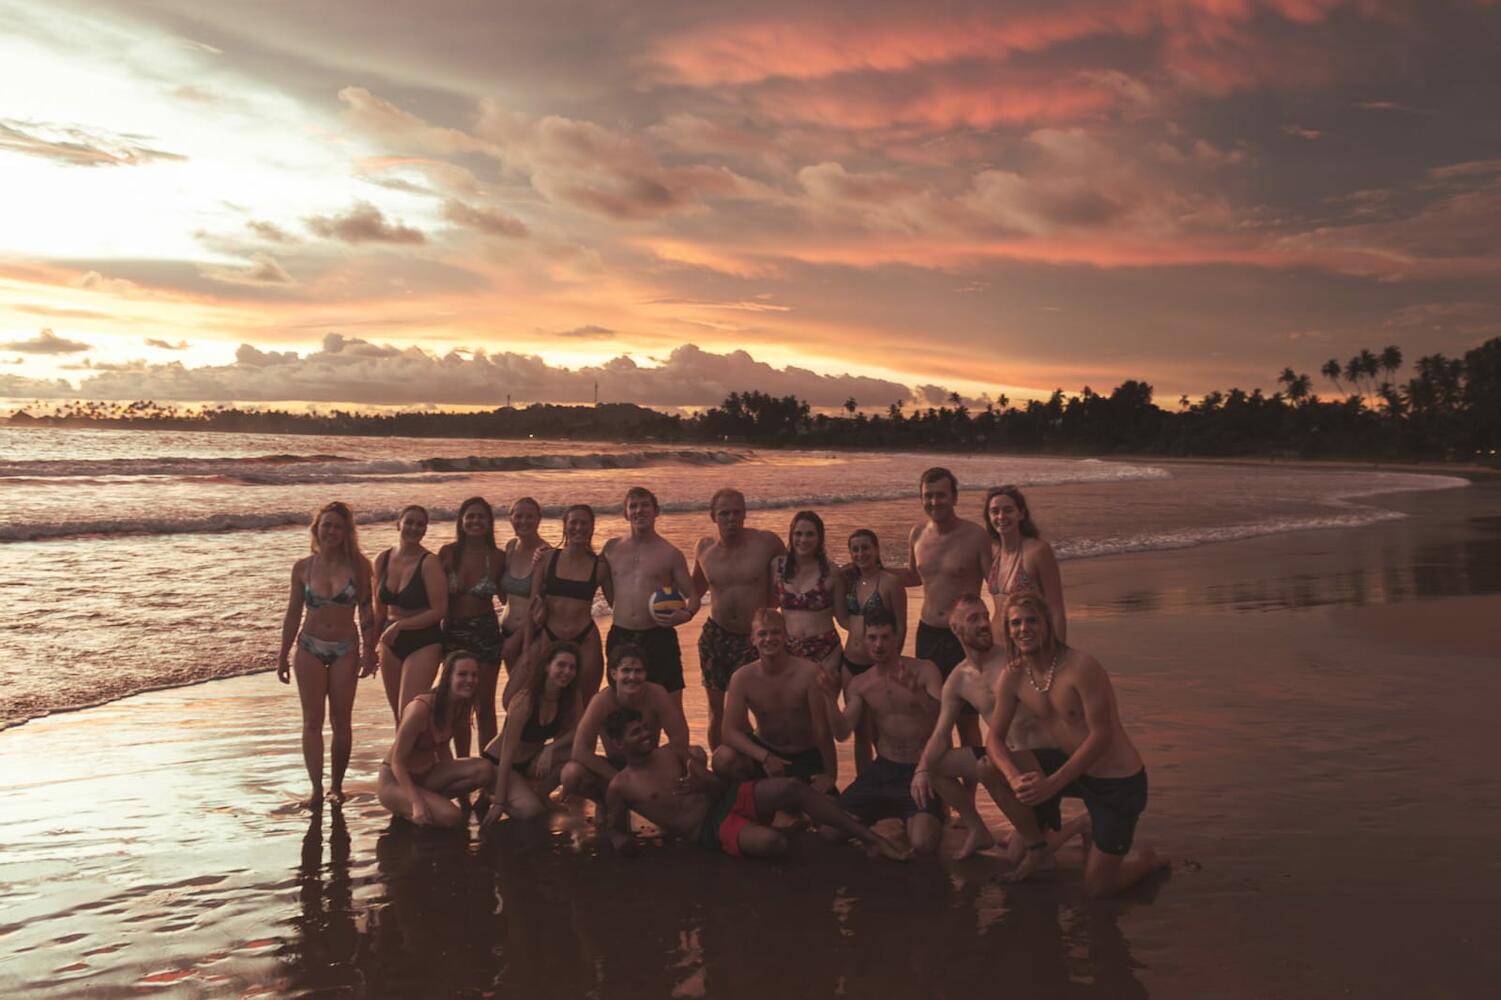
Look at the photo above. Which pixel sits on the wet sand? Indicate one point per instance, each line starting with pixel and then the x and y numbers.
pixel 1316 712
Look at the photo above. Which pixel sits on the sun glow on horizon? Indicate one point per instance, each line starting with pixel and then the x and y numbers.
pixel 1181 203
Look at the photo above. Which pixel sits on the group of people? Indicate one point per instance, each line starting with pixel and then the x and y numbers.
pixel 588 714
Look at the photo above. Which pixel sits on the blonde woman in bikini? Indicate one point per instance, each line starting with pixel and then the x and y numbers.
pixel 1020 559
pixel 330 592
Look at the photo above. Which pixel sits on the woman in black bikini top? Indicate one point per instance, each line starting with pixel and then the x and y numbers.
pixel 563 588
pixel 410 601
pixel 473 567
pixel 531 750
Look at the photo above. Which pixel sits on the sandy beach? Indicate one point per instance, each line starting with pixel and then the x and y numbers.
pixel 1316 712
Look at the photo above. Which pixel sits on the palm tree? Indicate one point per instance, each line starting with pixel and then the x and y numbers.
pixel 851 406
pixel 1390 361
pixel 1298 386
pixel 1331 372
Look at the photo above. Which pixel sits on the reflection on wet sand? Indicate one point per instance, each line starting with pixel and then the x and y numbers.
pixel 528 911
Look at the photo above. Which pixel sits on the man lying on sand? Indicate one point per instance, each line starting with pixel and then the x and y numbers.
pixel 587 774
pixel 1071 695
pixel 686 800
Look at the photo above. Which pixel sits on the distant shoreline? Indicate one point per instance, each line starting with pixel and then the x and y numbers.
pixel 595 430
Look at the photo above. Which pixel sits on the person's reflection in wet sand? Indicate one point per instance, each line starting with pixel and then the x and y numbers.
pixel 531 866
pixel 436 934
pixel 322 955
pixel 773 931
pixel 637 925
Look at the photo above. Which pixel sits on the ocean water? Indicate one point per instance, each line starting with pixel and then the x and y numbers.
pixel 134 560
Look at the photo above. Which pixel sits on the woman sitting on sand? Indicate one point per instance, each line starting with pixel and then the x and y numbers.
pixel 538 737
pixel 516 584
pixel 869 588
pixel 328 586
pixel 564 584
pixel 808 589
pixel 410 601
pixel 419 779
pixel 1020 559
pixel 474 568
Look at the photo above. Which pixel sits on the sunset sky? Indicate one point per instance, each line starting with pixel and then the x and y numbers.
pixel 444 202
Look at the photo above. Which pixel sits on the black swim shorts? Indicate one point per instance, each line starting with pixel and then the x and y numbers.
pixel 884 790
pixel 943 647
pixel 804 765
pixel 664 658
pixel 1114 804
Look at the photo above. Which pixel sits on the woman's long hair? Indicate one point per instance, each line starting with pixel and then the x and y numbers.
pixel 349 552
pixel 789 565
pixel 1027 528
pixel 442 690
pixel 457 547
pixel 569 703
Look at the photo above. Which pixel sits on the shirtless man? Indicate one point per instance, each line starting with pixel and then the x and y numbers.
pixel 901 695
pixel 735 569
pixel 588 774
pixel 641 562
pixel 792 737
pixel 1071 696
pixel 950 558
pixel 683 798
pixel 941 767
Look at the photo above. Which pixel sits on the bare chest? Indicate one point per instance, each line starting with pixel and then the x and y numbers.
pixel 740 567
pixel 946 558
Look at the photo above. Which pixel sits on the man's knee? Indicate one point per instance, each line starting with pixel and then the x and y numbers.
pixel 762 842
pixel 725 760
pixel 574 778
pixel 924 831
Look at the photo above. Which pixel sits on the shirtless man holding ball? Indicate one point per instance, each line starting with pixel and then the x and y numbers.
pixel 642 562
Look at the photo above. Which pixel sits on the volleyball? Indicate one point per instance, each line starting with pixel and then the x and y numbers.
pixel 666 601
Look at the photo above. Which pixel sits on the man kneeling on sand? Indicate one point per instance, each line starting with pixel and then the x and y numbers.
pixel 792 737
pixel 1070 694
pixel 683 798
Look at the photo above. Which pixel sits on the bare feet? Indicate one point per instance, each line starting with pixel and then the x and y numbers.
pixel 313 802
pixel 335 797
pixel 1037 858
pixel 978 840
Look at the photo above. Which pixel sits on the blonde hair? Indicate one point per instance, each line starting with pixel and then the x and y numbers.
pixel 1029 598
pixel 351 553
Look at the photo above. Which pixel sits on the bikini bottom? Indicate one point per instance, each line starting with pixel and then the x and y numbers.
pixel 328 651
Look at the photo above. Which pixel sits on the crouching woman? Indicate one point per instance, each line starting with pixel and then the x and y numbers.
pixel 420 779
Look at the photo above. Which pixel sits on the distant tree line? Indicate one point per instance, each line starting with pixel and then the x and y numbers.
pixel 1447 409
